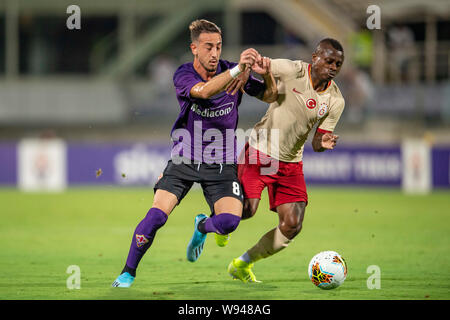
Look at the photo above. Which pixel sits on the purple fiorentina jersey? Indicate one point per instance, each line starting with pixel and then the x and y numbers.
pixel 205 129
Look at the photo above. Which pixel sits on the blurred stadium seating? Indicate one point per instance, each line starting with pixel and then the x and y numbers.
pixel 111 80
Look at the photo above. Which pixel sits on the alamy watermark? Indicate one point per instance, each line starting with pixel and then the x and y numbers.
pixel 215 146
pixel 74 280
pixel 74 20
pixel 374 280
pixel 374 20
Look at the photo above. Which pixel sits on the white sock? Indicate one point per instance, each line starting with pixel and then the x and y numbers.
pixel 245 257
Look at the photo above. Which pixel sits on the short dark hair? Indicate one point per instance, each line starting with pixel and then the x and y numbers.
pixel 199 26
pixel 332 42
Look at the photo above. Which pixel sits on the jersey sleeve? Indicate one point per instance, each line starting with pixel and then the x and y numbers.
pixel 328 123
pixel 254 87
pixel 286 69
pixel 183 81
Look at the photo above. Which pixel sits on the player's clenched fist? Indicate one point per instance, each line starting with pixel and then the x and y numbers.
pixel 262 65
pixel 248 58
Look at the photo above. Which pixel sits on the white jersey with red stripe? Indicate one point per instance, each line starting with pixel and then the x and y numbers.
pixel 284 129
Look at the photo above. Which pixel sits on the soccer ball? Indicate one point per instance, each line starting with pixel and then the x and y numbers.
pixel 327 270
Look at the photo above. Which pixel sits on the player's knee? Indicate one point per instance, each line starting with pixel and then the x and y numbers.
pixel 249 209
pixel 290 230
pixel 292 224
pixel 248 212
pixel 164 201
pixel 226 222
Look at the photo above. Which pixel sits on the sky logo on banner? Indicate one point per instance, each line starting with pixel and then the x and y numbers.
pixel 139 165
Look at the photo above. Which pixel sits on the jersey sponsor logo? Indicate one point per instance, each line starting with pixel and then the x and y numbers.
pixel 141 240
pixel 311 103
pixel 219 111
pixel 295 90
pixel 323 109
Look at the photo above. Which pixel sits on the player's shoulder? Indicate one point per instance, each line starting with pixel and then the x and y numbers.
pixel 288 68
pixel 305 65
pixel 183 72
pixel 225 64
pixel 185 67
pixel 336 94
pixel 288 62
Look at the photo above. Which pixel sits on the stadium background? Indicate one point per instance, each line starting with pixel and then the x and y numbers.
pixel 90 111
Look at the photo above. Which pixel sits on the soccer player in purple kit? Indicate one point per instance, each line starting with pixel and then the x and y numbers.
pixel 204 143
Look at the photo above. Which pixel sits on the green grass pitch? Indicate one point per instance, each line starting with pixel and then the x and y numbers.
pixel 407 237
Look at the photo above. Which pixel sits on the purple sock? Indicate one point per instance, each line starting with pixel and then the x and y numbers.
pixel 144 234
pixel 223 223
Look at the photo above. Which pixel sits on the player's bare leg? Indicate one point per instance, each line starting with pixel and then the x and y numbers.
pixel 228 205
pixel 250 207
pixel 291 218
pixel 290 224
pixel 228 212
pixel 165 201
pixel 163 204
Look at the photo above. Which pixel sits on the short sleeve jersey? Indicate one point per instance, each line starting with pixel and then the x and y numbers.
pixel 284 129
pixel 205 128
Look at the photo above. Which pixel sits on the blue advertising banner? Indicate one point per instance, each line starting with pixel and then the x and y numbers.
pixel 124 164
pixel 8 164
pixel 440 158
pixel 354 166
pixel 140 164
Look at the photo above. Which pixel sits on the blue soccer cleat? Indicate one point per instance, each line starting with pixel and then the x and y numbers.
pixel 125 280
pixel 195 246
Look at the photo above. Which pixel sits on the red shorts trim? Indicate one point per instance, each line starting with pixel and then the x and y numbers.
pixel 285 181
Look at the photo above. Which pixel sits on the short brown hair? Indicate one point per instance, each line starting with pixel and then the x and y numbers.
pixel 199 26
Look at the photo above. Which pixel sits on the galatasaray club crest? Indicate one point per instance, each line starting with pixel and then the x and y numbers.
pixel 141 240
pixel 323 109
pixel 311 103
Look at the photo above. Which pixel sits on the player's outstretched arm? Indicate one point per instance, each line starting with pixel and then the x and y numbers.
pixel 238 83
pixel 324 141
pixel 262 67
pixel 205 90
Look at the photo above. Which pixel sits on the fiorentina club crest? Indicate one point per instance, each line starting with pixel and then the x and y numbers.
pixel 323 109
pixel 141 240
